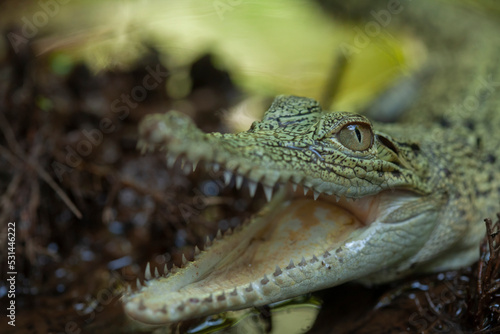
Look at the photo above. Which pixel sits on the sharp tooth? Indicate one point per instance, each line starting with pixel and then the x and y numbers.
pixel 187 168
pixel 195 164
pixel 157 273
pixel 337 198
pixel 294 186
pixel 141 144
pixel 218 236
pixel 147 272
pixel 196 250
pixel 316 195
pixel 227 177
pixel 239 181
pixel 183 163
pixel 252 188
pixel 184 260
pixel 269 192
pixel 171 161
pixel 216 167
pixel 305 190
pixel 138 283
pixel 165 270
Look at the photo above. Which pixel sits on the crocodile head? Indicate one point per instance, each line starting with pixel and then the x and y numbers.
pixel 346 202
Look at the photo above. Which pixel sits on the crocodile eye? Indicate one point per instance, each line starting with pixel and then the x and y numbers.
pixel 356 136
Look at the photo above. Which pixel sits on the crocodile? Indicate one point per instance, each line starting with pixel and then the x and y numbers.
pixel 349 198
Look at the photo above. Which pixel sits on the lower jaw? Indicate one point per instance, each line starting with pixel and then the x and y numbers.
pixel 274 256
pixel 285 232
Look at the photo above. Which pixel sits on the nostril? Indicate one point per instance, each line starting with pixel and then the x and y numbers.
pixel 387 143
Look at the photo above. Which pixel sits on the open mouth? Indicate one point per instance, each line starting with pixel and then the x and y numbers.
pixel 332 217
pixel 285 250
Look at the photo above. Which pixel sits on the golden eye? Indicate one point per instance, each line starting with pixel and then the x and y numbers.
pixel 356 136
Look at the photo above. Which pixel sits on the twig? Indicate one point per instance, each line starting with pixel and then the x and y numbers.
pixel 19 155
pixel 487 281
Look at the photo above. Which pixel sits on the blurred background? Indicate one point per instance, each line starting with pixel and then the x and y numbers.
pixel 268 48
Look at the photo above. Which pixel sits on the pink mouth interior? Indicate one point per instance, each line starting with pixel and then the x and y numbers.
pixel 298 229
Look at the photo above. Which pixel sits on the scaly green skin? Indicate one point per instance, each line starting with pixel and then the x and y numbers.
pixel 422 186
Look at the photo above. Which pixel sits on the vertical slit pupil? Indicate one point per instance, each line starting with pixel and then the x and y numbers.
pixel 358 133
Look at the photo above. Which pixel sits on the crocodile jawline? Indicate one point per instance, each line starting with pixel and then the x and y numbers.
pixel 291 242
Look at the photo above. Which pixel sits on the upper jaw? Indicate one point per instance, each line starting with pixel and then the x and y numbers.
pixel 267 160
